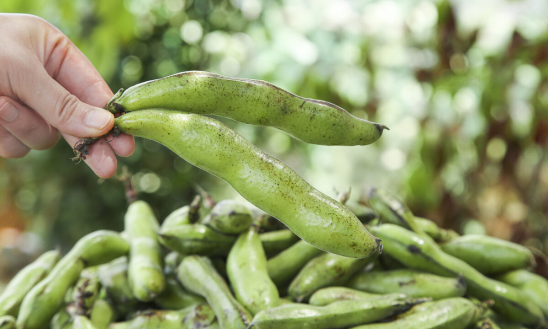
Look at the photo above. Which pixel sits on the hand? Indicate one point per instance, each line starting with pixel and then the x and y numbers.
pixel 49 88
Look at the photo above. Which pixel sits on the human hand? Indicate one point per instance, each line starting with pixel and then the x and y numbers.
pixel 49 88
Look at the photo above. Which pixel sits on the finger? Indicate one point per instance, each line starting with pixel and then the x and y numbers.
pixel 123 145
pixel 71 68
pixel 88 86
pixel 101 159
pixel 60 108
pixel 27 125
pixel 10 146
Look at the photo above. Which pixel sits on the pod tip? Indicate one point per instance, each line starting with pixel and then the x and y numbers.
pixel 380 128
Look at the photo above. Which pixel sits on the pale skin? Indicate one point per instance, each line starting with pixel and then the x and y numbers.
pixel 49 89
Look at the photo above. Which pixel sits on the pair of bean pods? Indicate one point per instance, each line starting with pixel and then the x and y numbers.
pixel 172 111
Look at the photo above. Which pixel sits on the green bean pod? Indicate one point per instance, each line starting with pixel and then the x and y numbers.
pixel 339 314
pixel 261 179
pixel 330 295
pixel 266 222
pixel 535 286
pixel 198 275
pixel 435 232
pixel 145 268
pixel 247 271
pixel 363 213
pixel 22 282
pixel 229 217
pixel 389 263
pixel 177 217
pixel 283 267
pixel 410 282
pixel 503 323
pixel 197 239
pixel 324 271
pixel 486 324
pixel 42 302
pixel 198 316
pixel 275 241
pixel 86 290
pixel 114 278
pixel 184 215
pixel 450 313
pixel 7 322
pixel 220 265
pixel 489 255
pixel 175 297
pixel 62 319
pixel 422 253
pixel 250 101
pixel 102 314
pixel 82 322
pixel 392 210
pixel 171 262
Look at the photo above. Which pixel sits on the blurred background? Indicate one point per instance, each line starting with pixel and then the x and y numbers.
pixel 461 84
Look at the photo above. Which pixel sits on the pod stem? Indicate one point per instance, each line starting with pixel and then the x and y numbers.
pixel 126 177
pixel 82 147
pixel 113 107
pixel 194 214
pixel 208 200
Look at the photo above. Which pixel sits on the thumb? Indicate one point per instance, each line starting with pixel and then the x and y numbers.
pixel 63 110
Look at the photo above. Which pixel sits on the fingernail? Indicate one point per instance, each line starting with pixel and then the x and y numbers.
pixel 8 112
pixel 98 119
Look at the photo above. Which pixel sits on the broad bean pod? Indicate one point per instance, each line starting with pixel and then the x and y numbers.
pixel 196 239
pixel 41 303
pixel 171 262
pixel 489 255
pixel 247 271
pixel 422 253
pixel 486 324
pixel 7 322
pixel 535 286
pixel 102 314
pixel 62 319
pixel 82 322
pixel 434 231
pixel 114 279
pixel 145 268
pixel 450 313
pixel 392 210
pixel 410 282
pixel 250 101
pixel 229 217
pixel 25 280
pixel 266 222
pixel 363 213
pixel 198 275
pixel 261 179
pixel 283 267
pixel 199 316
pixel 324 271
pixel 339 314
pixel 86 290
pixel 277 241
pixel 182 216
pixel 175 297
pixel 329 295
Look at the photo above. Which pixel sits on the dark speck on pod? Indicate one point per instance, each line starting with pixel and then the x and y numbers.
pixel 413 249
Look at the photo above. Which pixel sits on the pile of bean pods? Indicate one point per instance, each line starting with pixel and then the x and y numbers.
pixel 224 265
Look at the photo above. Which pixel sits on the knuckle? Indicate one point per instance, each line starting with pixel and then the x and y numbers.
pixel 66 105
